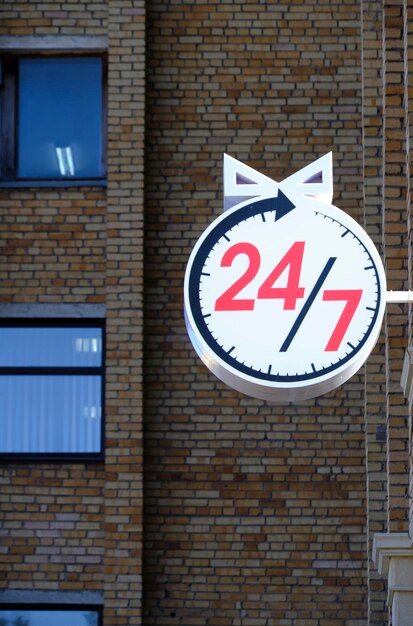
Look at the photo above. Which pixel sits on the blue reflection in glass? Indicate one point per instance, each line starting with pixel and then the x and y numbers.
pixel 60 414
pixel 41 617
pixel 60 118
pixel 50 347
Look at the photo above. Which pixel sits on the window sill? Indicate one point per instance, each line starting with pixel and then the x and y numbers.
pixel 10 184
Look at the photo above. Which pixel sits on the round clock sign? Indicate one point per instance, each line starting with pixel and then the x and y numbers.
pixel 284 293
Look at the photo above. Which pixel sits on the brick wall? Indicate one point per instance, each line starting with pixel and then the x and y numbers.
pixel 395 251
pixel 375 368
pixel 53 247
pixel 254 514
pixel 51 527
pixel 21 18
pixel 387 212
pixel 77 527
pixel 408 108
pixel 124 286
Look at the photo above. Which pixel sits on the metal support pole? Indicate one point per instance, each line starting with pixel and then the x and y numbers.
pixel 399 297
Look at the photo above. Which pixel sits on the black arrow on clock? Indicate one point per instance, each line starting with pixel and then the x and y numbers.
pixel 283 205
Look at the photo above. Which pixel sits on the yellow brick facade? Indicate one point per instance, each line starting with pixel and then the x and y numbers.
pixel 211 507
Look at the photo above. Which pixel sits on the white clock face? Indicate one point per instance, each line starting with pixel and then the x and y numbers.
pixel 283 302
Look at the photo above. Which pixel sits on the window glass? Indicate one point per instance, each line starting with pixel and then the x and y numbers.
pixel 1 111
pixel 36 617
pixel 51 388
pixel 60 118
pixel 50 414
pixel 48 347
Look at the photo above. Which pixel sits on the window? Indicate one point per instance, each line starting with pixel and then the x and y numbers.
pixel 49 615
pixel 52 118
pixel 51 388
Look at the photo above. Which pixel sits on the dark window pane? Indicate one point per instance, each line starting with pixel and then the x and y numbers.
pixel 50 414
pixel 1 111
pixel 50 347
pixel 48 618
pixel 60 118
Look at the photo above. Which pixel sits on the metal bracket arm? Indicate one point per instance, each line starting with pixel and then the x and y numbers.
pixel 399 297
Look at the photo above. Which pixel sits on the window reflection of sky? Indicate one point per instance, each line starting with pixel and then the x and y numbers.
pixel 50 347
pixel 48 618
pixel 56 412
pixel 60 106
pixel 50 413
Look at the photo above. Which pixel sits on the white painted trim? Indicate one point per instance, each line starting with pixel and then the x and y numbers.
pixel 406 380
pixel 299 183
pixel 242 182
pixel 389 545
pixel 235 191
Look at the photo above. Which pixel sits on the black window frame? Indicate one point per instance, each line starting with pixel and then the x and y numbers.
pixel 41 457
pixel 9 64
pixel 30 606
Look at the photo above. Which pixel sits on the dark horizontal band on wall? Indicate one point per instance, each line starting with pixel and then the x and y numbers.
pixel 32 184
pixel 9 458
pixel 51 312
pixel 51 371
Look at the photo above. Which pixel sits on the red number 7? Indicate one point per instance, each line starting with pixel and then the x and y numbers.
pixel 352 297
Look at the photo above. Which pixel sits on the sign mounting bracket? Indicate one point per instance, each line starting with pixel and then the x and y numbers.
pixel 399 297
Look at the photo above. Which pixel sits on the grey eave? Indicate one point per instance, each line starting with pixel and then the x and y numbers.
pixel 74 311
pixel 60 43
pixel 10 596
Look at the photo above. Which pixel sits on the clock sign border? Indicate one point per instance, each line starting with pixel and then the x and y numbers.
pixel 261 384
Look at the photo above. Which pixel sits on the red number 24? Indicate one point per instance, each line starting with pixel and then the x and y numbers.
pixel 292 260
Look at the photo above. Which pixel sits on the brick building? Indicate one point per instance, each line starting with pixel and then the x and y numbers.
pixel 202 506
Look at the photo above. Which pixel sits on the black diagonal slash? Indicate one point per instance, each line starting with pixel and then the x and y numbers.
pixel 308 303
